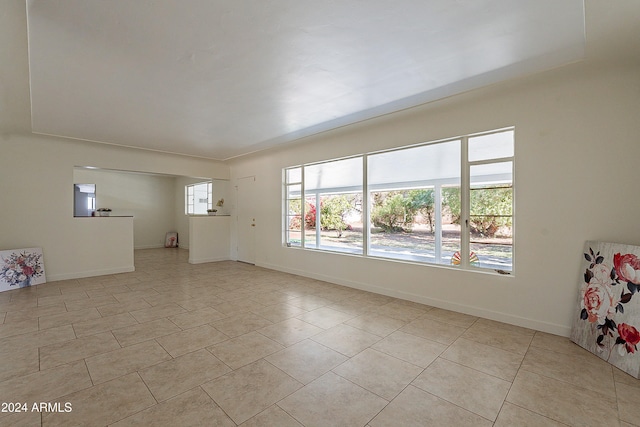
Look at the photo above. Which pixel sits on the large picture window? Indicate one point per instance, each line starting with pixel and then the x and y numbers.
pixel 428 203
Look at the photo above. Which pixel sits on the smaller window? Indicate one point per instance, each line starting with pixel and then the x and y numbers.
pixel 197 198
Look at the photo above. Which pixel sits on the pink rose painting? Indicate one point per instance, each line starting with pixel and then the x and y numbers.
pixel 607 321
pixel 20 268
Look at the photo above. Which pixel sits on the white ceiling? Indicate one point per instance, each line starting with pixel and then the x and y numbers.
pixel 223 78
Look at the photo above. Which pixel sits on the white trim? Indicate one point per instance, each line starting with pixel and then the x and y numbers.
pixel 205 260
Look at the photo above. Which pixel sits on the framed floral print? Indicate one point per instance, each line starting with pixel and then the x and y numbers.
pixel 20 268
pixel 607 319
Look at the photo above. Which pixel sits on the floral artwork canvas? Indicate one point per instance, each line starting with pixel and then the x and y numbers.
pixel 20 268
pixel 607 321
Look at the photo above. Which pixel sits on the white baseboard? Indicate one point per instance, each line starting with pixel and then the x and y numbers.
pixel 205 260
pixel 92 273
pixel 511 319
pixel 148 247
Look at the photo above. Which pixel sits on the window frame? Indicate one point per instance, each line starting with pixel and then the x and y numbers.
pixel 465 189
pixel 189 208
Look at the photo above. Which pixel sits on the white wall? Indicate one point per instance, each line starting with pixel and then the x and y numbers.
pixel 36 210
pixel 150 199
pixel 219 190
pixel 576 179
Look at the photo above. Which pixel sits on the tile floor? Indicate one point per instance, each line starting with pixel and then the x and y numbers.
pixel 226 344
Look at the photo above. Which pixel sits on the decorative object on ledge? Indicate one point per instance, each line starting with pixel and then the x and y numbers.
pixel 104 211
pixel 20 268
pixel 211 211
pixel 473 259
pixel 607 318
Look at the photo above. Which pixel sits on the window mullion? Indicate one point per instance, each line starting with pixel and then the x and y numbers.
pixel 465 185
pixel 365 207
pixel 318 219
pixel 303 203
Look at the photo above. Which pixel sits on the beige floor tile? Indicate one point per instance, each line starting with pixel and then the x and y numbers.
pixel 355 306
pixel 628 398
pixel 47 385
pixel 107 366
pixel 592 373
pixel 397 311
pixel 9 306
pixel 34 313
pixel 557 383
pixel 48 290
pixel 279 312
pixel 193 408
pixel 90 302
pixel 103 324
pixel 515 416
pixel 200 302
pixel 379 373
pixel 235 295
pixel 18 361
pixel 433 330
pixel 18 328
pixel 77 316
pixel 197 317
pixel 376 324
pixel 410 348
pixel 271 298
pixel 290 331
pixel 241 324
pixel 272 416
pixel 495 325
pixel 119 308
pixel 170 378
pixel 173 297
pixel 56 299
pixel 157 312
pixel 307 360
pixel 38 339
pixel 490 360
pixel 231 308
pixel 109 291
pixel 472 390
pixel 417 408
pixel 129 296
pixel 346 339
pixel 370 298
pixel 189 340
pixel 250 390
pixel 21 419
pixel 309 302
pixel 103 404
pixel 244 349
pixel 451 317
pixel 324 317
pixel 144 331
pixel 79 348
pixel 619 376
pixel 332 401
pixel 557 344
pixel 561 401
pixel 509 339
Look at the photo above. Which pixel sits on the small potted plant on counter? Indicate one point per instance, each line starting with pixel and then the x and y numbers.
pixel 104 211
pixel 212 211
